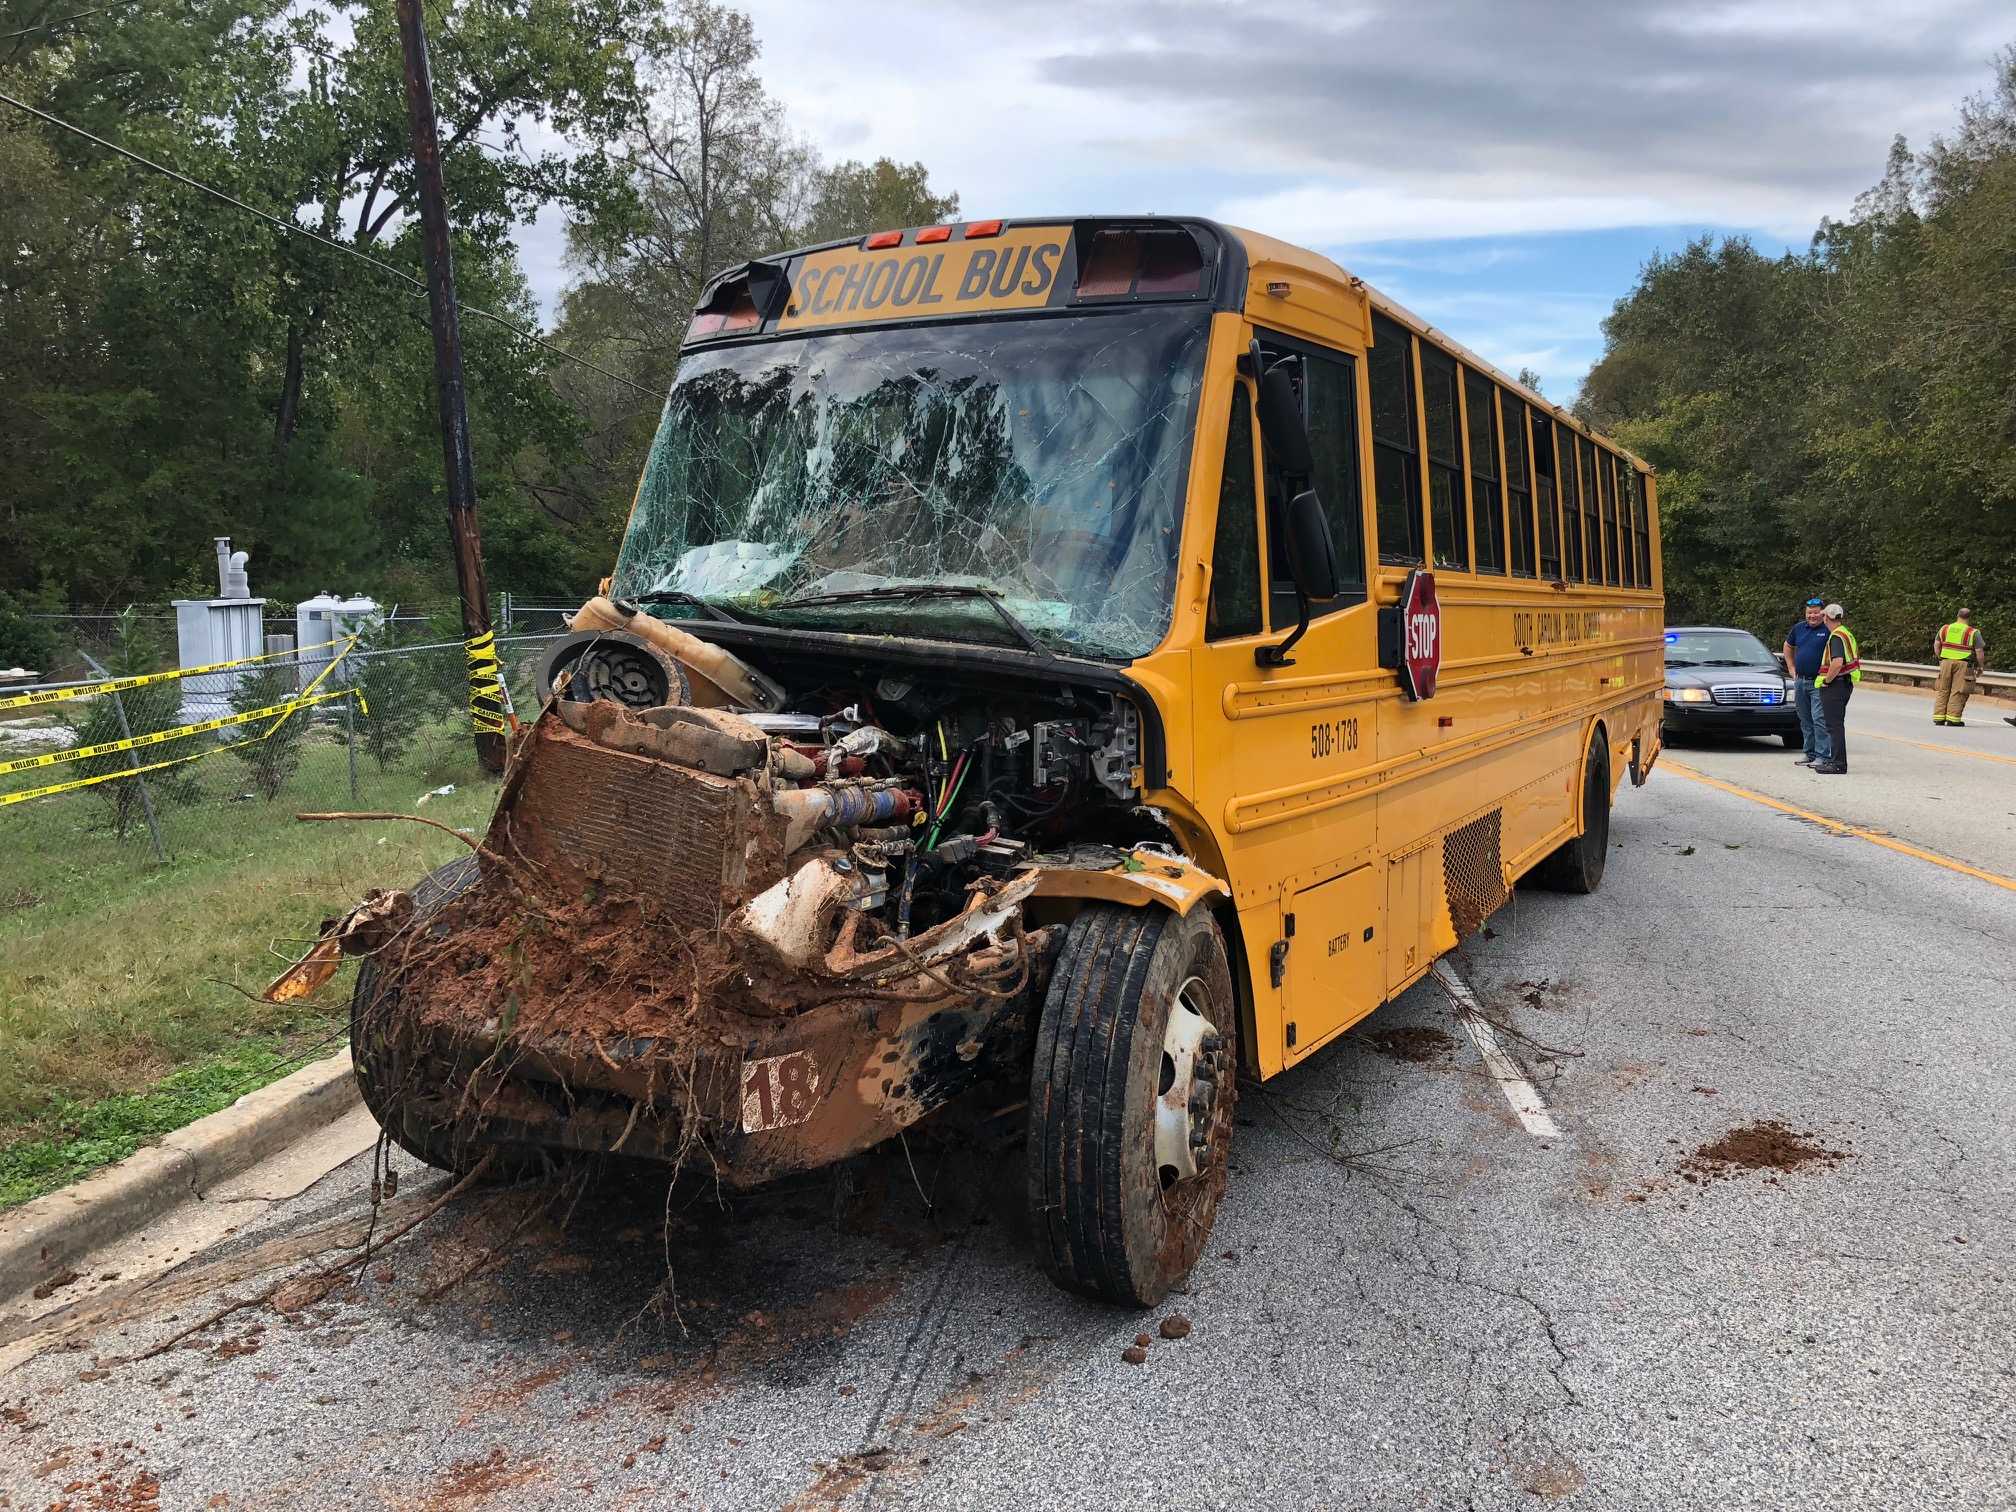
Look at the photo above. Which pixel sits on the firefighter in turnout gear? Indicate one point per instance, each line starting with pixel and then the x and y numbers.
pixel 1960 652
pixel 1840 671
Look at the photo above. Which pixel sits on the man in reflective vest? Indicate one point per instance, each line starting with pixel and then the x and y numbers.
pixel 1840 671
pixel 1958 648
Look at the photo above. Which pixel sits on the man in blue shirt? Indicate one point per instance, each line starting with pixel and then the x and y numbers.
pixel 1805 646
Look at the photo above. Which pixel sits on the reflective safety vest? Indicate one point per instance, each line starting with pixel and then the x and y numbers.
pixel 1852 662
pixel 1956 641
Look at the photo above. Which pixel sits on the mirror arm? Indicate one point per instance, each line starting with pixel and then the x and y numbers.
pixel 1277 655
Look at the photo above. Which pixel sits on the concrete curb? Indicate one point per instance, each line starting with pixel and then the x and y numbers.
pixel 40 1238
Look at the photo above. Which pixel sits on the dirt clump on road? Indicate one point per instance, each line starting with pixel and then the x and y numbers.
pixel 1419 1043
pixel 472 1482
pixel 1767 1144
pixel 1175 1326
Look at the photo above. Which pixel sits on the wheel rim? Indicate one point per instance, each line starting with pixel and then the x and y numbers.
pixel 1191 1078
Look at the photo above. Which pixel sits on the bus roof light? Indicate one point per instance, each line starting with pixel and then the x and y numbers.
pixel 983 228
pixel 880 239
pixel 934 234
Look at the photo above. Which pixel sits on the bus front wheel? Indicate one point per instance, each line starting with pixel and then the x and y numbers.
pixel 1130 1101
pixel 1577 867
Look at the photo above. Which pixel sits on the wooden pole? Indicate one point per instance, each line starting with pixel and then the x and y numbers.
pixel 485 705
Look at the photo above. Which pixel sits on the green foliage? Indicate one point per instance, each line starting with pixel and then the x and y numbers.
pixel 853 199
pixel 24 642
pixel 717 176
pixel 1840 422
pixel 401 696
pixel 269 748
pixel 172 369
pixel 107 717
pixel 85 1136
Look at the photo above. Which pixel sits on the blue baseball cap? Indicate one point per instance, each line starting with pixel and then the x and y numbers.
pixel 1816 603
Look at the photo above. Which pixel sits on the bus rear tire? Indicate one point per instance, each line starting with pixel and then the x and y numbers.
pixel 1577 867
pixel 1130 1102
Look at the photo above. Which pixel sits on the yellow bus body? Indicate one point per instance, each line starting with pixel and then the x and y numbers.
pixel 1357 829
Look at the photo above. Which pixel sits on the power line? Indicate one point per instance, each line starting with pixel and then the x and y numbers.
pixel 28 31
pixel 314 236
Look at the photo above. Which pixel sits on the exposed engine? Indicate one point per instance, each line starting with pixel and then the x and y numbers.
pixel 905 785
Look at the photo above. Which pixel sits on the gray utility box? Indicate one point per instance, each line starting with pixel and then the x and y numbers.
pixel 226 628
pixel 322 621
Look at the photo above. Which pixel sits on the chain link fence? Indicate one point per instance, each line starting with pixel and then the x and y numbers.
pixel 383 726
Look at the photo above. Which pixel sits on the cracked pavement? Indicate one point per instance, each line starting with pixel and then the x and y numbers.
pixel 1408 1301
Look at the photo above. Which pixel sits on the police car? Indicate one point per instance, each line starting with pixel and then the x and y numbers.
pixel 1723 681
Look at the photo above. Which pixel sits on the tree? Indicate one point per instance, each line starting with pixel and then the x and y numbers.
pixel 717 177
pixel 1842 421
pixel 108 717
pixel 270 748
pixel 172 368
pixel 851 199
pixel 228 357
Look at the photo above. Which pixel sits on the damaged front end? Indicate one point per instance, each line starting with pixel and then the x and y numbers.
pixel 758 928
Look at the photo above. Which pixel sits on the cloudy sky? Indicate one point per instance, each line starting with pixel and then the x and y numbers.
pixel 1501 168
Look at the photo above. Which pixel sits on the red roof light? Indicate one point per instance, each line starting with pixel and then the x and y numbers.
pixel 983 228
pixel 934 234
pixel 881 239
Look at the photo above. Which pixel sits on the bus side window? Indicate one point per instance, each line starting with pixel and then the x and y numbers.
pixel 1325 385
pixel 1592 522
pixel 1235 555
pixel 1480 403
pixel 1571 505
pixel 1640 534
pixel 1330 400
pixel 1518 485
pixel 1543 472
pixel 1396 463
pixel 1448 522
pixel 1606 474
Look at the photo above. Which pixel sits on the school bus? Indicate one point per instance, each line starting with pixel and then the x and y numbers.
pixel 1055 667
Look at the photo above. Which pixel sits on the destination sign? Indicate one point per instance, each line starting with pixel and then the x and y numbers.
pixel 1016 270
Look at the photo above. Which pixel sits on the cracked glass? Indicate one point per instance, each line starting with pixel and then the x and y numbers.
pixel 1042 460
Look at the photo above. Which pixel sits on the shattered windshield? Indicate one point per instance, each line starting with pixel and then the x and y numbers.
pixel 1041 460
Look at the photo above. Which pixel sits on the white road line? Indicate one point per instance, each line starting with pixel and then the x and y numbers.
pixel 1526 1101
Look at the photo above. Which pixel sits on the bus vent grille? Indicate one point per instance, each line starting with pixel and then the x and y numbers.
pixel 1473 873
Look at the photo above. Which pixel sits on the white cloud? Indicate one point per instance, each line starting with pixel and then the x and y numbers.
pixel 1338 214
pixel 1362 123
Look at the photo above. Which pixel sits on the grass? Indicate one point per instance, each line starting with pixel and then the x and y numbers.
pixel 124 1007
pixel 84 1136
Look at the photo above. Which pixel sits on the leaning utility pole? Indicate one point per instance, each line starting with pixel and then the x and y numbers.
pixel 486 695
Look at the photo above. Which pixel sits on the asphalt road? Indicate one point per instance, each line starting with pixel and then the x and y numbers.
pixel 1410 1300
pixel 1951 791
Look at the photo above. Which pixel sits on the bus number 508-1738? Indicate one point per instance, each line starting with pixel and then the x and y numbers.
pixel 1330 736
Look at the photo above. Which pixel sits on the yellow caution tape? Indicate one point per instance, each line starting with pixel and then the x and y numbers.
pixel 486 691
pixel 161 737
pixel 284 711
pixel 84 782
pixel 145 679
pixel 313 684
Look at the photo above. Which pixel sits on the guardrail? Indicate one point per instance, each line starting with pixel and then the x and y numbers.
pixel 1923 676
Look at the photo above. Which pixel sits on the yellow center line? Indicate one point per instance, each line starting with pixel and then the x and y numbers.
pixel 1926 745
pixel 1840 826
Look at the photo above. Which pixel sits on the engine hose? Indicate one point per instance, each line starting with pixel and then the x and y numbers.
pixel 903 901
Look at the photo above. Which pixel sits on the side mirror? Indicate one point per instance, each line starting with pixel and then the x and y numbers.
pixel 1281 424
pixel 1312 554
pixel 1312 567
